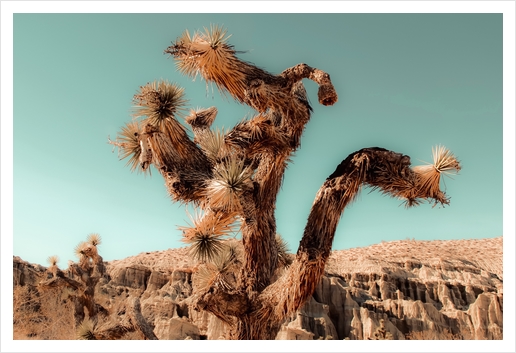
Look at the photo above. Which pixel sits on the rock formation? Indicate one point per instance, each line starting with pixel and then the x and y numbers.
pixel 410 289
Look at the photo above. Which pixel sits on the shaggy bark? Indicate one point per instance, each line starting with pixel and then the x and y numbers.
pixel 376 167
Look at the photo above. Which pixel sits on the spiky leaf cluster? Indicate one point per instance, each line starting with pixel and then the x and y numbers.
pixel 158 104
pixel 159 101
pixel 202 51
pixel 428 177
pixel 104 330
pixel 445 161
pixel 230 179
pixel 53 260
pixel 391 173
pixel 206 235
pixel 53 269
pixel 204 277
pixel 87 250
pixel 214 145
pixel 86 331
pixel 208 54
pixel 221 271
pixel 231 255
pixel 204 246
pixel 81 249
pixel 94 239
pixel 128 144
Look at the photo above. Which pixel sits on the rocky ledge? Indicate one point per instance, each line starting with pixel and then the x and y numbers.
pixel 397 290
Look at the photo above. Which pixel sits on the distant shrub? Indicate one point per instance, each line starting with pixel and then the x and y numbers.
pixel 42 315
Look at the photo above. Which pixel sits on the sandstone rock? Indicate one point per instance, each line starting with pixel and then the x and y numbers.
pixel 216 329
pixel 444 293
pixel 175 329
pixel 486 317
pixel 292 331
pixel 135 276
pixel 25 273
pixel 311 321
pixel 155 308
pixel 156 281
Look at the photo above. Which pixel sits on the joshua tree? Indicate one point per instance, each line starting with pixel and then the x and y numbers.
pixel 79 282
pixel 234 177
pixel 81 277
pixel 89 270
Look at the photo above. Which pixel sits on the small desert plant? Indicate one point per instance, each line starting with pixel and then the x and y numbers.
pixel 52 261
pixel 107 329
pixel 42 315
pixel 445 334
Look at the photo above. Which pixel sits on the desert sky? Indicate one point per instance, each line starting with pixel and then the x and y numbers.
pixel 406 82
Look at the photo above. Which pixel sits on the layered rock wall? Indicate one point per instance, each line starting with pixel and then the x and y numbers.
pixel 437 296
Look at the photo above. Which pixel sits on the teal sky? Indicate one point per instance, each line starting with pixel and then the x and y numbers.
pixel 406 82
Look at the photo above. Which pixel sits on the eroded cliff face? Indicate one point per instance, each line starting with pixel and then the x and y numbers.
pixel 25 273
pixel 421 290
pixel 352 306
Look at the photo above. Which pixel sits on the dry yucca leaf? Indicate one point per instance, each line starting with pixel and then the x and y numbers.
pixel 80 249
pixel 53 260
pixel 94 239
pixel 213 144
pixel 128 144
pixel 428 176
pixel 208 54
pixel 158 101
pixel 206 233
pixel 229 181
pixel 86 330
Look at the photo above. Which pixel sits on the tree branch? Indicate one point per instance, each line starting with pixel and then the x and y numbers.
pixel 224 305
pixel 327 94
pixel 378 167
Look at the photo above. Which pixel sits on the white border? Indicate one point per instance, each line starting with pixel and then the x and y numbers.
pixel 8 8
